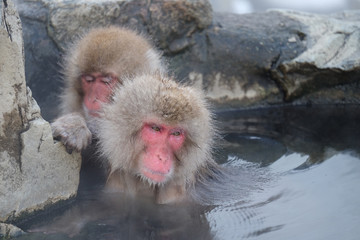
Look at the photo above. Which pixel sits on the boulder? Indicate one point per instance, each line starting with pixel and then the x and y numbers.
pixel 274 58
pixel 34 170
pixel 331 58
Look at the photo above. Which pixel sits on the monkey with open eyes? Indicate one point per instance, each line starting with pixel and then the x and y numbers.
pixel 94 65
pixel 157 136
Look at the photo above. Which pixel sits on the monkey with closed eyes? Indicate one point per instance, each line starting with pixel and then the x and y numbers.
pixel 93 66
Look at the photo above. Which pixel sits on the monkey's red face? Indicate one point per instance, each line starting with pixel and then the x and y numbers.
pixel 161 144
pixel 97 90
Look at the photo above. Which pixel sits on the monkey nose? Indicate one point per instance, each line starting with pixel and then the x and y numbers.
pixel 161 158
pixel 93 99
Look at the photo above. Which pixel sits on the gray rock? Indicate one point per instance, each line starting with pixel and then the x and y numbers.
pixel 167 20
pixel 172 23
pixel 65 25
pixel 232 59
pixel 332 55
pixel 262 59
pixel 34 170
pixel 8 231
pixel 42 57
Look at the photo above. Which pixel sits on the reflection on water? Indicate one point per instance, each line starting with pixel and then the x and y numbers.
pixel 291 173
pixel 321 202
pixel 312 155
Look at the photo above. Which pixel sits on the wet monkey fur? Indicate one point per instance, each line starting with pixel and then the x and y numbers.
pixel 157 137
pixel 93 66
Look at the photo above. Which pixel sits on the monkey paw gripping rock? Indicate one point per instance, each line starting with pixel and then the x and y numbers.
pixel 34 171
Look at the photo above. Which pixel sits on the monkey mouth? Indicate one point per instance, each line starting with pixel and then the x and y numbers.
pixel 91 112
pixel 94 113
pixel 155 176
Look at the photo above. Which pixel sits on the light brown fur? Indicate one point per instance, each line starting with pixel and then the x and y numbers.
pixel 113 50
pixel 155 98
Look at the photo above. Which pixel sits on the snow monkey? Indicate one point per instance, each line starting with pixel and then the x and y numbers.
pixel 92 68
pixel 157 137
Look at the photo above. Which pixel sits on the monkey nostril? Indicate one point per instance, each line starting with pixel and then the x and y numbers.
pixel 162 158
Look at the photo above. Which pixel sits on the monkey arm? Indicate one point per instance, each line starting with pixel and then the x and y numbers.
pixel 72 131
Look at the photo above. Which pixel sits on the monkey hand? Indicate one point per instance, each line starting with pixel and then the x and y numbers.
pixel 72 131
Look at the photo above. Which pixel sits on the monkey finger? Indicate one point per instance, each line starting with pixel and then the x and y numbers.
pixel 68 149
pixel 57 138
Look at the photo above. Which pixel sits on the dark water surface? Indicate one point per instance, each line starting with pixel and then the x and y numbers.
pixel 292 173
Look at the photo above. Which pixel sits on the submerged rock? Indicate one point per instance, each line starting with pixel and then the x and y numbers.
pixel 34 171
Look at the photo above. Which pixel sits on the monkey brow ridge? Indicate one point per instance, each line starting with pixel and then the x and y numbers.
pixel 172 105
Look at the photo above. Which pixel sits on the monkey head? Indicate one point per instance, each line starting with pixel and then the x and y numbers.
pixel 99 61
pixel 157 131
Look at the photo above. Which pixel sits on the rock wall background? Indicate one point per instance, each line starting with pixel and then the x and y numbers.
pixel 250 60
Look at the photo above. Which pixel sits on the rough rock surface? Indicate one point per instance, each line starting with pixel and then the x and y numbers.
pixel 276 57
pixel 7 231
pixel 331 58
pixel 34 171
pixel 248 60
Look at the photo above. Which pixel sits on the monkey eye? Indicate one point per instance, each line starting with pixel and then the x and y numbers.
pixel 89 78
pixel 107 79
pixel 177 133
pixel 156 128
